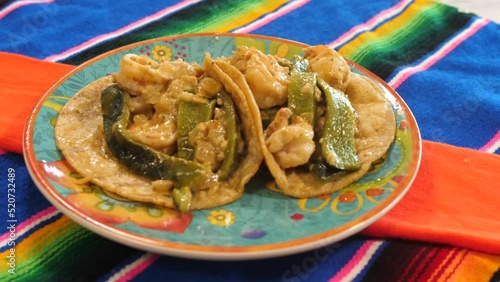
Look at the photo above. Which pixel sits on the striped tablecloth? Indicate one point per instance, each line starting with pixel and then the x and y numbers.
pixel 443 62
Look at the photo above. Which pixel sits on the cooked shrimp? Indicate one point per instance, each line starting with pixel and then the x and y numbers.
pixel 159 132
pixel 144 77
pixel 178 68
pixel 329 65
pixel 280 120
pixel 140 76
pixel 291 145
pixel 265 77
pixel 181 85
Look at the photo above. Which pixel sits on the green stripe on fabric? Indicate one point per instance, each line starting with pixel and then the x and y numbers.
pixel 72 252
pixel 430 28
pixel 205 16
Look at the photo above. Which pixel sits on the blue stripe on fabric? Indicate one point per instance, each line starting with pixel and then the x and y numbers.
pixel 124 263
pixel 432 53
pixel 26 194
pixel 316 265
pixel 341 20
pixel 432 95
pixel 62 27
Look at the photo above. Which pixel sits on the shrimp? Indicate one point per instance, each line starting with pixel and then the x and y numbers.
pixel 146 78
pixel 159 132
pixel 329 65
pixel 291 145
pixel 154 88
pixel 280 121
pixel 179 68
pixel 265 77
pixel 140 76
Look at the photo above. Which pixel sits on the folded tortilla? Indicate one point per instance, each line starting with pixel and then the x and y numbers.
pixel 79 136
pixel 375 132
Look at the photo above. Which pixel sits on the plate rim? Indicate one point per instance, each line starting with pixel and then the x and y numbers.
pixel 218 253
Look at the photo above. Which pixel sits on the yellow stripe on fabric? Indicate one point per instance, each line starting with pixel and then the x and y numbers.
pixel 246 16
pixel 38 240
pixel 387 30
pixel 476 266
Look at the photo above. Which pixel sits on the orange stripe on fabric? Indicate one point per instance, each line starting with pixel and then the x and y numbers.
pixel 38 240
pixel 476 266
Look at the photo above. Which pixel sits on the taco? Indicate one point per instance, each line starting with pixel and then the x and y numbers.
pixel 170 133
pixel 321 126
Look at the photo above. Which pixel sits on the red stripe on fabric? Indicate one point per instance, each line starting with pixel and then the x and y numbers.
pixel 457 265
pixel 412 263
pixel 421 267
pixel 436 264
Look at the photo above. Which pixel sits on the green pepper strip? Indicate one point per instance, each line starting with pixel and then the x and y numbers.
pixel 337 143
pixel 302 102
pixel 190 114
pixel 301 90
pixel 232 131
pixel 299 64
pixel 182 198
pixel 143 159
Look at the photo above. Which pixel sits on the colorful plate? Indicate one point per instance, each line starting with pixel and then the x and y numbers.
pixel 262 223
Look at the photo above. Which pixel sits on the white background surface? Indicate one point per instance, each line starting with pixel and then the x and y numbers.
pixel 489 9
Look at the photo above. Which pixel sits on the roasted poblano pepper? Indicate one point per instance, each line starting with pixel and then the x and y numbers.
pixel 332 159
pixel 192 112
pixel 324 171
pixel 143 159
pixel 337 140
pixel 232 131
pixel 301 98
pixel 189 115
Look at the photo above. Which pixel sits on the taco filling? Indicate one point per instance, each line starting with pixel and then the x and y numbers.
pixel 321 126
pixel 189 136
pixel 171 133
